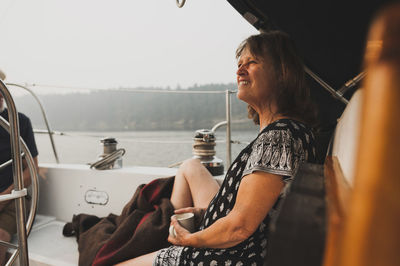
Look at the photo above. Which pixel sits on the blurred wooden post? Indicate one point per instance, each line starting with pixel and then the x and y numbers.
pixel 338 192
pixel 372 229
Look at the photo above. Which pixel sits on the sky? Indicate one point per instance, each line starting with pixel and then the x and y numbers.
pixel 104 44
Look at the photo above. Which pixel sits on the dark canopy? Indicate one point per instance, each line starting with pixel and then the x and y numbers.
pixel 330 36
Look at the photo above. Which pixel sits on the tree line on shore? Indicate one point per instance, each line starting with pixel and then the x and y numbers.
pixel 124 110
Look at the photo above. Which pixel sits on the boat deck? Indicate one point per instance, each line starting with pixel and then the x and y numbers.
pixel 48 246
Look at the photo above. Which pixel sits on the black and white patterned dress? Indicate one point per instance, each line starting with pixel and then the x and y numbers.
pixel 278 149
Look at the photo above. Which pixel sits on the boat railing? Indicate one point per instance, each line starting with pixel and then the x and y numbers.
pixel 227 122
pixel 19 191
pixel 46 121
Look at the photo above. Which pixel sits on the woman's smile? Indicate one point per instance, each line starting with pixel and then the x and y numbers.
pixel 244 82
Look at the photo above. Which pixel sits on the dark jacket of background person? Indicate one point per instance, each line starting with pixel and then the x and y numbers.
pixel 26 132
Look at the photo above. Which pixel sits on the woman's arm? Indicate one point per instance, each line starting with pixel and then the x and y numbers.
pixel 257 194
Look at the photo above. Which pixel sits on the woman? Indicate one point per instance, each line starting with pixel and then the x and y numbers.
pixel 234 217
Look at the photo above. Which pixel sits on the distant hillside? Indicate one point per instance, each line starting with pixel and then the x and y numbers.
pixel 117 110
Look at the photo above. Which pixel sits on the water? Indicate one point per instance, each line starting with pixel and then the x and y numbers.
pixel 143 148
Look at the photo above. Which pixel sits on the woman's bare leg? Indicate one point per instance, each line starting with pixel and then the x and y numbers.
pixel 143 260
pixel 194 186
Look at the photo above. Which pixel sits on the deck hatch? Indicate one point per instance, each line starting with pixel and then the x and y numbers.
pixel 96 197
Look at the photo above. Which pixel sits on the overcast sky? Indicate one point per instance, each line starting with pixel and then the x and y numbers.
pixel 119 43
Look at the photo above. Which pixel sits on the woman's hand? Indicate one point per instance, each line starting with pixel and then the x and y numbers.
pixel 198 214
pixel 182 236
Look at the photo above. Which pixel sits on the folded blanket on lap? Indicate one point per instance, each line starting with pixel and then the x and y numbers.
pixel 141 228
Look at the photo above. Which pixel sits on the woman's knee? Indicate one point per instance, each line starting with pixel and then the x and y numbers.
pixel 191 166
pixel 190 163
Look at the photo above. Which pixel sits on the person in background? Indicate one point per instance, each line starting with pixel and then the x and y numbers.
pixel 234 218
pixel 8 225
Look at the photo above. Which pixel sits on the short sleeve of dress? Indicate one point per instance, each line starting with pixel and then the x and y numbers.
pixel 277 152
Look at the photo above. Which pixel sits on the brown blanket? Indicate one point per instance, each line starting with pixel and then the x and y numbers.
pixel 141 228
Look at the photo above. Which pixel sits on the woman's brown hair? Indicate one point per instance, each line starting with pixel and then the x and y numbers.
pixel 291 93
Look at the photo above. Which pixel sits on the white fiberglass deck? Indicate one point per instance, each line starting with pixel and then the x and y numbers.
pixel 47 245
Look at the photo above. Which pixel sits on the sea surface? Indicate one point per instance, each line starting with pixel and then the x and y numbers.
pixel 143 148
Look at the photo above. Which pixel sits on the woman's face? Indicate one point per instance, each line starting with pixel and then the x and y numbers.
pixel 254 79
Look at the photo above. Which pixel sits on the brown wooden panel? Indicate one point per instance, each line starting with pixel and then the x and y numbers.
pixel 338 194
pixel 372 230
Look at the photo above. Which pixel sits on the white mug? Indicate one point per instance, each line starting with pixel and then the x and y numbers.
pixel 186 220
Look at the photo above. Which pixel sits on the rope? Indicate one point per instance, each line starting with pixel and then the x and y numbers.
pixel 108 161
pixel 201 148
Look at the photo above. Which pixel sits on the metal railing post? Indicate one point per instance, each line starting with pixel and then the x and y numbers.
pixel 228 128
pixel 17 173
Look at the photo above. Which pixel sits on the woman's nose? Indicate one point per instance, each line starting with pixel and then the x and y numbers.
pixel 240 71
